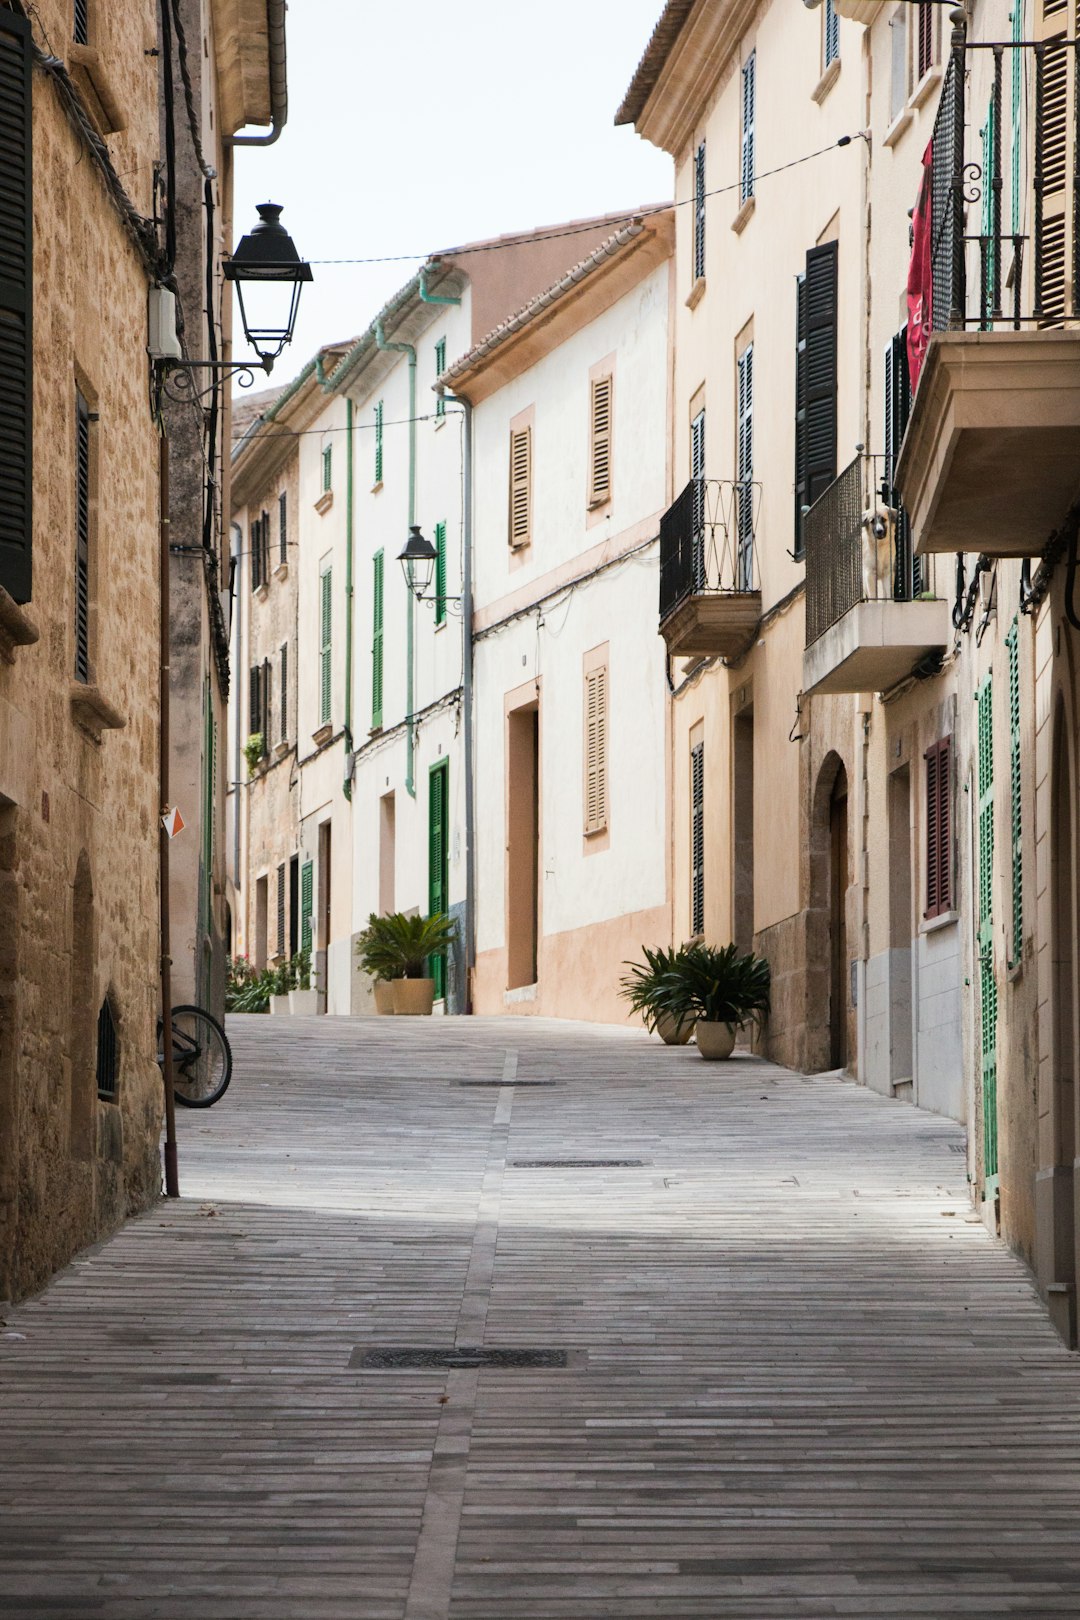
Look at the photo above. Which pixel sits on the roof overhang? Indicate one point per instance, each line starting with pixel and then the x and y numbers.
pixel 242 58
pixel 690 51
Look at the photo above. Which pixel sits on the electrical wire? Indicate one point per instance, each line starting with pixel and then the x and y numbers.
pixel 358 427
pixel 208 173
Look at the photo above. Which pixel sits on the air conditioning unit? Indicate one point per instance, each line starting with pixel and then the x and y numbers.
pixel 162 340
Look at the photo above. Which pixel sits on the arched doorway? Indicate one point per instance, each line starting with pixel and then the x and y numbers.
pixel 829 1043
pixel 838 947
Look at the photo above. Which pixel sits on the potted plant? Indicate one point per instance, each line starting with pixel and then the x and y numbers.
pixel 412 943
pixel 379 962
pixel 280 985
pixel 303 1000
pixel 644 988
pixel 246 991
pixel 720 988
pixel 253 751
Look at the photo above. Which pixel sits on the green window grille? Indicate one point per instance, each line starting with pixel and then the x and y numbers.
pixel 306 890
pixel 440 367
pixel 1012 644
pixel 379 442
pixel 325 630
pixel 440 573
pixel 988 996
pixel 327 468
pixel 377 642
pixel 438 857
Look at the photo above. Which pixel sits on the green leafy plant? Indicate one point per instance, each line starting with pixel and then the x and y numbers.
pixel 300 970
pixel 716 984
pixel 404 946
pixel 246 990
pixel 253 751
pixel 647 984
pixel 375 955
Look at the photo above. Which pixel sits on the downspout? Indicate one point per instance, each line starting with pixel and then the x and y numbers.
pixel 327 386
pixel 430 297
pixel 410 734
pixel 467 693
pixel 237 548
pixel 279 90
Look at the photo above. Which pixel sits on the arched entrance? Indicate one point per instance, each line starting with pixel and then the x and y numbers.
pixel 838 946
pixel 829 1044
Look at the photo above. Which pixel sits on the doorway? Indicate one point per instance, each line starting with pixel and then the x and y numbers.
pixel 742 839
pixel 294 904
pixel 323 914
pixel 387 852
pixel 838 947
pixel 261 920
pixel 901 945
pixel 523 845
pixel 438 859
pixel 1059 1269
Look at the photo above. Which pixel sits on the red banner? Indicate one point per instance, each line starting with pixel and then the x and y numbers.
pixel 920 281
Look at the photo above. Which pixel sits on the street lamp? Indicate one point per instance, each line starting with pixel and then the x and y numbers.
pixel 418 559
pixel 264 263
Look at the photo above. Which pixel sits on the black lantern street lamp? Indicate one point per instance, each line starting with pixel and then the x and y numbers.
pixel 417 561
pixel 264 264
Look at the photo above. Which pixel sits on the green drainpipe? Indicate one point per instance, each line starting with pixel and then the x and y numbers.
pixel 327 385
pixel 410 722
pixel 430 297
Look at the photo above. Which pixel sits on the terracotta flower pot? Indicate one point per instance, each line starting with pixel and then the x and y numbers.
pixel 384 997
pixel 672 1033
pixel 714 1040
pixel 413 997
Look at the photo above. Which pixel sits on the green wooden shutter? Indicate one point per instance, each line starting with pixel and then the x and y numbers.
pixel 281 909
pixel 749 109
pixel 1012 643
pixel 1017 102
pixel 325 633
pixel 16 281
pixel 327 468
pixel 82 538
pixel 306 888
pixel 438 857
pixel 377 643
pixel 988 996
pixel 379 442
pixel 440 573
pixel 440 367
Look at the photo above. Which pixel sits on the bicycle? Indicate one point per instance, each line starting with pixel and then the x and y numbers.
pixel 201 1055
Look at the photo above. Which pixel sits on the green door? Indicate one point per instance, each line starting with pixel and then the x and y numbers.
pixel 438 856
pixel 988 995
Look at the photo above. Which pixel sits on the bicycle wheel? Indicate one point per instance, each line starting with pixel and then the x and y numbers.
pixel 202 1058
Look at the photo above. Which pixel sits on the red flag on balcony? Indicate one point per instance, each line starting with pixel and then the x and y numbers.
pixel 920 281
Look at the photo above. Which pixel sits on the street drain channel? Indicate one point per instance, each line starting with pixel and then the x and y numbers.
pixel 578 1164
pixel 505 1082
pixel 399 1357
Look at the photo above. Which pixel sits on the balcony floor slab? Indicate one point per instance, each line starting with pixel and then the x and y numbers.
pixel 712 623
pixel 875 645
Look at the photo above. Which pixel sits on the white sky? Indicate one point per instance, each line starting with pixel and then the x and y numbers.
pixel 426 123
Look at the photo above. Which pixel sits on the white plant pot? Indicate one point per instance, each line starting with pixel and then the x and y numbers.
pixel 714 1041
pixel 303 1003
pixel 673 1034
pixel 279 1005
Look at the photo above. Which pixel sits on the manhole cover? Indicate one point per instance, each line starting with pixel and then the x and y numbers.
pixel 402 1356
pixel 578 1164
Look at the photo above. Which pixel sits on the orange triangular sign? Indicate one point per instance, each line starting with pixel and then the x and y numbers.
pixel 173 822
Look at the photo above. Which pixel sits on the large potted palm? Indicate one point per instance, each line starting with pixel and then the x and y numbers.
pixel 412 944
pixel 720 988
pixel 378 959
pixel 645 987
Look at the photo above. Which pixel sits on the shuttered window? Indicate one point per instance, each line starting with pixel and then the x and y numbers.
pixel 267 705
pixel 306 892
pixel 815 380
pixel 1012 641
pixel 440 573
pixel 600 432
pixel 697 839
pixel 281 910
pixel 831 32
pixel 255 547
pixel 379 442
pixel 697 473
pixel 749 107
pixel 908 581
pixel 16 280
pixel 326 578
pixel 82 538
pixel 938 761
pixel 699 212
pixel 254 700
pixel 80 22
pixel 283 528
pixel 440 367
pixel 1054 148
pixel 108 1054
pixel 745 467
pixel 520 485
pixel 924 39
pixel 596 740
pixel 327 468
pixel 377 641
pixel 284 700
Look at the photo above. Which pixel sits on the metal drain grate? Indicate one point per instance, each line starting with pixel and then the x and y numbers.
pixel 402 1356
pixel 504 1082
pixel 957 1147
pixel 578 1164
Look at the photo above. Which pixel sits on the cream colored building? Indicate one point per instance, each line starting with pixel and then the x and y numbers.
pixel 570 404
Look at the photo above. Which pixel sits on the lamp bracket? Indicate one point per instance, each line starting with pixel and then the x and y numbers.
pixel 185 389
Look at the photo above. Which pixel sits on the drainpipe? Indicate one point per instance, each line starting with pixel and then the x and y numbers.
pixel 327 386
pixel 430 297
pixel 410 723
pixel 237 538
pixel 467 694
pixel 279 90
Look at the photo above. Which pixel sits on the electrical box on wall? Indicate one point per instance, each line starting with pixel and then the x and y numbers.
pixel 162 340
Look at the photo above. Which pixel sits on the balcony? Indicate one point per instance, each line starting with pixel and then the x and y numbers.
pixel 870 619
pixel 710 601
pixel 991 457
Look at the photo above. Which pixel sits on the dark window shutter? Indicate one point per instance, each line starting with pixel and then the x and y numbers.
pixel 267 687
pixel 820 393
pixel 284 699
pixel 82 538
pixel 800 411
pixel 283 537
pixel 255 547
pixel 938 760
pixel 254 701
pixel 80 24
pixel 699 212
pixel 697 839
pixel 908 581
pixel 16 278
pixel 281 909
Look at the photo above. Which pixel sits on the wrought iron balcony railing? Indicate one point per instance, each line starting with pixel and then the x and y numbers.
pixel 708 541
pixel 998 277
pixel 858 546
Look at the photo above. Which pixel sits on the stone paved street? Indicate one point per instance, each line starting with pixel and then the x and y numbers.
pixel 801 1379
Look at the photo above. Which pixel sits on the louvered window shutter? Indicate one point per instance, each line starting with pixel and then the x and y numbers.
pixel 284 700
pixel 745 474
pixel 16 281
pixel 1012 643
pixel 254 701
pixel 328 469
pixel 699 212
pixel 600 441
pixel 924 44
pixel 267 691
pixel 1054 148
pixel 697 839
pixel 325 648
pixel 281 910
pixel 596 726
pixel 264 536
pixel 440 367
pixel 749 100
pixel 938 828
pixel 832 32
pixel 306 889
pixel 377 642
pixel 800 411
pixel 379 442
pixel 80 22
pixel 283 536
pixel 82 539
pixel 821 301
pixel 908 573
pixel 520 482
pixel 440 573
pixel 697 473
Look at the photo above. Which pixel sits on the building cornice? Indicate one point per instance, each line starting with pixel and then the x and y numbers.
pixel 689 53
pixel 242 58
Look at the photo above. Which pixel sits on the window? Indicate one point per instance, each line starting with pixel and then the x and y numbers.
pixel 697 473
pixel 815 380
pixel 327 468
pixel 80 22
pixel 596 728
pixel 108 1053
pixel 82 538
pixel 938 828
pixel 306 894
pixel 440 573
pixel 697 839
pixel 379 443
pixel 439 858
pixel 377 642
pixel 749 99
pixel 440 367
pixel 699 212
pixel 283 536
pixel 1012 644
pixel 830 21
pixel 898 62
pixel 255 548
pixel 908 579
pixel 326 575
pixel 284 702
pixel 267 685
pixel 16 277
pixel 600 433
pixel 255 713
pixel 281 910
pixel 520 485
pixel 924 38
pixel 744 456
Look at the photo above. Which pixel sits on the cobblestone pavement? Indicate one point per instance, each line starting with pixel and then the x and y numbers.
pixel 801 1379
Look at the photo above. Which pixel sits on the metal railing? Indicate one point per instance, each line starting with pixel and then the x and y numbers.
pixel 858 546
pixel 972 271
pixel 708 541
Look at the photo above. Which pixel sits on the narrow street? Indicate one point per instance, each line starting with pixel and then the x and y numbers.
pixel 789 1374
